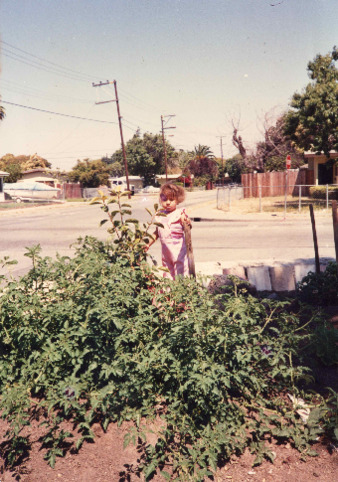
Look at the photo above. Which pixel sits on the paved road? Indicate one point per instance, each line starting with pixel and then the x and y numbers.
pixel 227 238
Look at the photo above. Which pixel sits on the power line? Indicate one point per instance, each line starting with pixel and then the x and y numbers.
pixel 85 76
pixel 42 67
pixel 39 93
pixel 58 113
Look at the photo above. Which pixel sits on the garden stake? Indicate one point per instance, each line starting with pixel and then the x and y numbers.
pixel 335 228
pixel 188 244
pixel 314 233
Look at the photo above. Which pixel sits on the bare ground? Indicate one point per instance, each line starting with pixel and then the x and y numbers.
pixel 105 460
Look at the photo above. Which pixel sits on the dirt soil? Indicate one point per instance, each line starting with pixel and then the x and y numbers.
pixel 105 460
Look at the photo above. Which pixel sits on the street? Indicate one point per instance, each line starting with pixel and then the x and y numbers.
pixel 244 239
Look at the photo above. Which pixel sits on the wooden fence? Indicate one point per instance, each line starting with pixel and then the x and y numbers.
pixel 269 184
pixel 70 190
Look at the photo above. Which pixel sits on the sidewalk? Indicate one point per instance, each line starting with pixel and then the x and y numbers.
pixel 268 274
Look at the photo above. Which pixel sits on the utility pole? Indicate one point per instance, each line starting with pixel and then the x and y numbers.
pixel 120 124
pixel 163 140
pixel 221 146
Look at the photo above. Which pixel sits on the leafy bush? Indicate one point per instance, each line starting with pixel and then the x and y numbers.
pixel 100 338
pixel 319 192
pixel 320 289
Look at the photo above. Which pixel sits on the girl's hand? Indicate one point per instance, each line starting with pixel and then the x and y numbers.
pixel 185 219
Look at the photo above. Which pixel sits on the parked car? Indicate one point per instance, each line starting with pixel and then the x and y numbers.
pixel 150 189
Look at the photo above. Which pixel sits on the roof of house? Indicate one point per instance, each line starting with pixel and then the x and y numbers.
pixel 309 154
pixel 169 176
pixel 131 178
pixel 41 179
pixel 4 174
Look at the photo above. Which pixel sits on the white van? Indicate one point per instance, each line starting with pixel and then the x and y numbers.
pixel 118 184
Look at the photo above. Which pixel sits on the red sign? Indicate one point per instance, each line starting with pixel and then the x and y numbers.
pixel 288 162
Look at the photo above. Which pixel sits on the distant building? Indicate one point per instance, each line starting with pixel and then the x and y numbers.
pixel 39 175
pixel 322 173
pixel 162 178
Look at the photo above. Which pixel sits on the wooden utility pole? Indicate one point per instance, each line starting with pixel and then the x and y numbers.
pixel 163 140
pixel 221 146
pixel 314 234
pixel 120 124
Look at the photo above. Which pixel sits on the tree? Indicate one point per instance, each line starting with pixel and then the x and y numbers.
pixel 312 122
pixel 8 163
pixel 2 113
pixel 270 153
pixel 33 162
pixel 203 163
pixel 234 167
pixel 15 165
pixel 90 173
pixel 145 156
pixel 183 159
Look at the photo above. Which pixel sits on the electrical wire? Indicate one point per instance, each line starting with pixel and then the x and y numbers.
pixel 58 113
pixel 38 66
pixel 85 77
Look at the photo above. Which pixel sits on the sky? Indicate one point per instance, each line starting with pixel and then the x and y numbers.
pixel 208 62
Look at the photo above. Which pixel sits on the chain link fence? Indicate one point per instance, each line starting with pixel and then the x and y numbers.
pixel 231 196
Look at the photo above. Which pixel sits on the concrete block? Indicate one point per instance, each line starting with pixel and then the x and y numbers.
pixel 260 277
pixel 303 269
pixel 208 269
pixel 235 271
pixel 282 277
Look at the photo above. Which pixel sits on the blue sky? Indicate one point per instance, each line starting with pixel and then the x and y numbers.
pixel 206 61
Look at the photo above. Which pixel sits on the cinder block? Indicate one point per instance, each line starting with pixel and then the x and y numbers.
pixel 282 277
pixel 260 277
pixel 303 269
pixel 208 269
pixel 235 271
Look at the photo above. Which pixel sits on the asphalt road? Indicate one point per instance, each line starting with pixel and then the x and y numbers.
pixel 228 240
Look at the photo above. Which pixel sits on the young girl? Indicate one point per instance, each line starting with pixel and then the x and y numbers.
pixel 174 253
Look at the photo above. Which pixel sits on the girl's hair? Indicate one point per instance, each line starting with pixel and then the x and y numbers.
pixel 172 191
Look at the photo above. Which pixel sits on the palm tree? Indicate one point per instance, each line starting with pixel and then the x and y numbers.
pixel 201 152
pixel 2 113
pixel 203 162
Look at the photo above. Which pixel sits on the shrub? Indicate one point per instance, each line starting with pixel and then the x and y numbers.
pixel 319 192
pixel 99 338
pixel 320 289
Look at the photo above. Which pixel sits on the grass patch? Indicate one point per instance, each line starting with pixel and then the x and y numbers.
pixel 13 205
pixel 274 205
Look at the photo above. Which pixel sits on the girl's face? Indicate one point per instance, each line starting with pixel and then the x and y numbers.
pixel 167 203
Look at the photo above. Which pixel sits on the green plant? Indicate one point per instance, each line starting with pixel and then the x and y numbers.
pixel 320 288
pixel 100 338
pixel 319 192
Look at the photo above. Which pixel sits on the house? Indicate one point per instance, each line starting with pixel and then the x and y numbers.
pixel 39 175
pixel 162 178
pixel 322 173
pixel 3 174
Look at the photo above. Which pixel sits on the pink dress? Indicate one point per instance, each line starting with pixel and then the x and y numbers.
pixel 174 252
